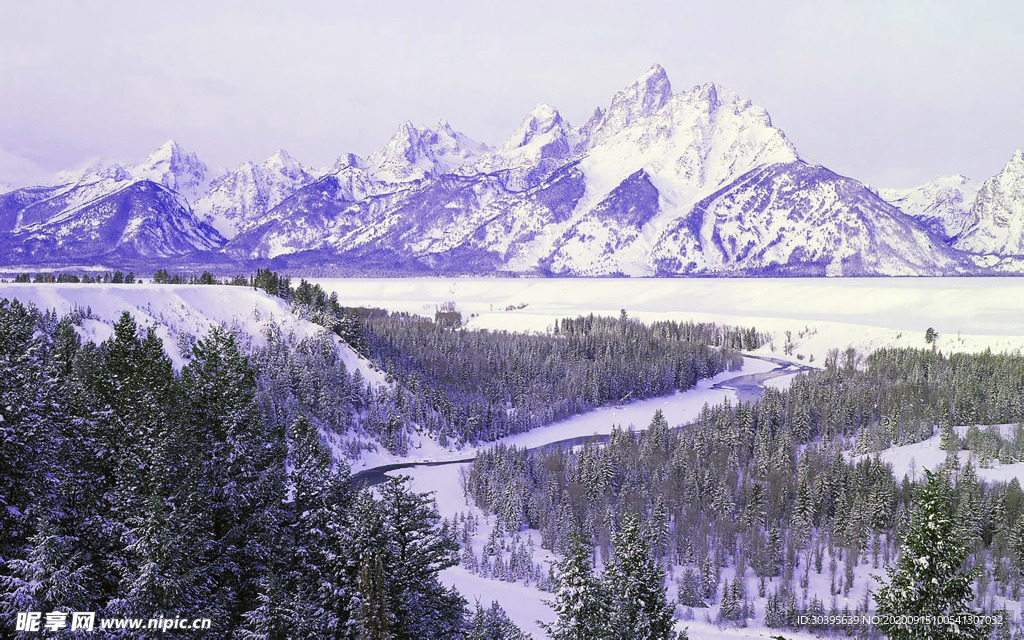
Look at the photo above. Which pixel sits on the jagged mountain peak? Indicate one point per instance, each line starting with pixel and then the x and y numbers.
pixel 241 198
pixel 715 95
pixel 169 151
pixel 281 156
pixel 283 162
pixel 171 157
pixel 280 162
pixel 942 204
pixel 542 119
pixel 413 153
pixel 176 168
pixel 345 161
pixel 644 96
pixel 695 141
pixel 998 213
pixel 443 126
pixel 96 169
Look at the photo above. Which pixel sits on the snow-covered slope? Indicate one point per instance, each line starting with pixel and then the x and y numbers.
pixel 997 225
pixel 177 310
pixel 943 204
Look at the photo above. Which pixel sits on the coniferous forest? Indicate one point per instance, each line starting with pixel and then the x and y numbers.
pixel 481 385
pixel 763 511
pixel 130 489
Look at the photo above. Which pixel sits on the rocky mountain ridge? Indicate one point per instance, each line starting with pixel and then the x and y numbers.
pixel 655 183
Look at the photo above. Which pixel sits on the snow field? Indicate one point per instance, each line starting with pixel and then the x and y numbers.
pixel 970 314
pixel 912 459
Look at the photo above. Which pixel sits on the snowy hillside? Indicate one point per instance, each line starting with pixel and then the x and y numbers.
pixel 802 219
pixel 176 311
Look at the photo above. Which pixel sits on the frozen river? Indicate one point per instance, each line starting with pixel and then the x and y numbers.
pixel 746 385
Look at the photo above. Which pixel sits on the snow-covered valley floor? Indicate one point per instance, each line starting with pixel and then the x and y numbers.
pixel 970 314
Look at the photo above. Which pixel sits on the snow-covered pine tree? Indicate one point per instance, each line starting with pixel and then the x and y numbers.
pixel 635 585
pixel 732 601
pixel 929 579
pixel 579 603
pixel 492 624
pixel 709 579
pixel 690 589
pixel 321 491
pixel 25 430
pixel 373 619
pixel 420 546
pixel 774 613
pixel 243 469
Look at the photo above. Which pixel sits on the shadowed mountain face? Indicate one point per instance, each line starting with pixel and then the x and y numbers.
pixel 134 220
pixel 656 183
pixel 801 219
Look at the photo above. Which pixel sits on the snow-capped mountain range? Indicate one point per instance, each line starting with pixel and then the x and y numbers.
pixel 656 183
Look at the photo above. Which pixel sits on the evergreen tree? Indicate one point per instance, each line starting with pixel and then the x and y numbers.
pixel 26 402
pixel 929 579
pixel 580 604
pixel 690 590
pixel 373 618
pixel 635 584
pixel 493 624
pixel 709 579
pixel 53 576
pixel 732 601
pixel 272 619
pixel 420 545
pixel 774 613
pixel 243 469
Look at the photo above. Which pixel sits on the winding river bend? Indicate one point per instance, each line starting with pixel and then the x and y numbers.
pixel 747 387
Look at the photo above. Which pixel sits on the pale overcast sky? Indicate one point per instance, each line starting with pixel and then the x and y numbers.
pixel 891 93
